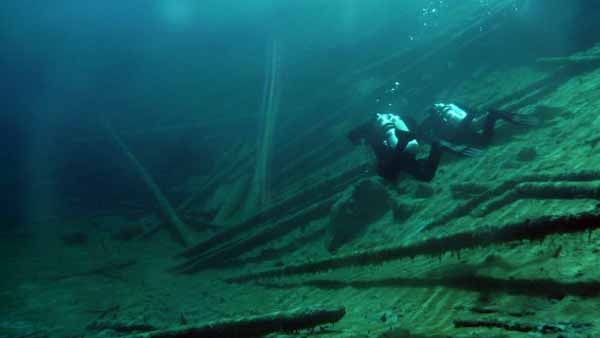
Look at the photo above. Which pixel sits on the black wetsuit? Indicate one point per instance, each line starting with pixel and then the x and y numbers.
pixel 390 162
pixel 435 128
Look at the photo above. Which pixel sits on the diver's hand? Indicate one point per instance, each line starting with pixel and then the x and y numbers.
pixel 461 149
pixel 471 152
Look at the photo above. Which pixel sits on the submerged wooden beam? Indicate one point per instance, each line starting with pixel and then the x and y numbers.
pixel 543 190
pixel 245 244
pixel 509 185
pixel 293 204
pixel 535 229
pixel 469 279
pixel 253 326
pixel 510 325
pixel 105 270
pixel 173 224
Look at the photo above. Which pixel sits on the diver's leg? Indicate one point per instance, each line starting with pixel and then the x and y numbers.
pixel 425 169
pixel 467 131
pixel 489 123
pixel 514 118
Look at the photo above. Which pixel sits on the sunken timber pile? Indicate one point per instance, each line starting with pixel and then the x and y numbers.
pixel 505 244
pixel 497 245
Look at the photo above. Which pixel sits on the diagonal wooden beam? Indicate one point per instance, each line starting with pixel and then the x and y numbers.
pixel 536 229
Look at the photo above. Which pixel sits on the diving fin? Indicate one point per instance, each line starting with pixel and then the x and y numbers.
pixel 524 120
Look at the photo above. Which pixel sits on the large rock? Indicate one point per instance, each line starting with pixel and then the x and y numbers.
pixel 360 205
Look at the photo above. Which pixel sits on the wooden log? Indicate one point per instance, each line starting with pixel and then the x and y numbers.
pixel 509 325
pixel 569 60
pixel 455 277
pixel 173 224
pixel 559 190
pixel 542 190
pixel 281 251
pixel 591 55
pixel 104 270
pixel 293 204
pixel 246 244
pixel 253 326
pixel 242 161
pixel 119 327
pixel 509 185
pixel 532 93
pixel 467 190
pixel 529 229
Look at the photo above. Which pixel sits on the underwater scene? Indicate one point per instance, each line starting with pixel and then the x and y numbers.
pixel 286 168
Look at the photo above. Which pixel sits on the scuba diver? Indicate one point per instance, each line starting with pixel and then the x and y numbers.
pixel 468 126
pixel 396 147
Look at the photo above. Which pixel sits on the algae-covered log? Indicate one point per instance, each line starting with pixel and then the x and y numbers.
pixel 559 190
pixel 244 244
pixel 529 229
pixel 105 270
pixel 570 60
pixel 542 190
pixel 510 325
pixel 253 326
pixel 173 224
pixel 507 192
pixel 295 204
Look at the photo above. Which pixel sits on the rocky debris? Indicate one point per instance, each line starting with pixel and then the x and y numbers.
pixel 360 205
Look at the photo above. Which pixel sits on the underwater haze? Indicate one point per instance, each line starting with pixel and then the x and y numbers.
pixel 342 168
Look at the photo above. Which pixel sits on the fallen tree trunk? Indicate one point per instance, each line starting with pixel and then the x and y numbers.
pixel 507 187
pixel 233 249
pixel 119 327
pixel 222 170
pixel 539 190
pixel 529 229
pixel 293 204
pixel 253 326
pixel 510 325
pixel 560 190
pixel 173 224
pixel 569 60
pixel 104 270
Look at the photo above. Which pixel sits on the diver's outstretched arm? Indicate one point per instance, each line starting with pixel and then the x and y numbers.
pixel 460 149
